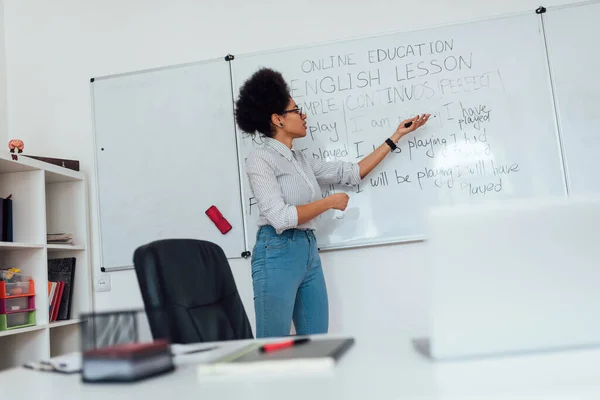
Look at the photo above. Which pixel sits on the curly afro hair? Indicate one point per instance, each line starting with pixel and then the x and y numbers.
pixel 263 94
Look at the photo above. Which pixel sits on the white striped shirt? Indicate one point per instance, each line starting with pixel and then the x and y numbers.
pixel 281 179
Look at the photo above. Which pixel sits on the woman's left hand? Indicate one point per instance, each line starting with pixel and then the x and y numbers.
pixel 416 122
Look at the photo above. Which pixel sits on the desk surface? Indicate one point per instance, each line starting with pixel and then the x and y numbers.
pixel 372 369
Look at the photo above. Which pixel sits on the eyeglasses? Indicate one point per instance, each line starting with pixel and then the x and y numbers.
pixel 297 110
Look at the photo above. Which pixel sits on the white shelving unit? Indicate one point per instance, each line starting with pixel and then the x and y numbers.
pixel 46 199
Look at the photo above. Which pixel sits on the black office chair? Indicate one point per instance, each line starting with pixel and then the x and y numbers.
pixel 189 292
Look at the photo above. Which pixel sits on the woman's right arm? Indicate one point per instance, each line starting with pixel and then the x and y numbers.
pixel 270 200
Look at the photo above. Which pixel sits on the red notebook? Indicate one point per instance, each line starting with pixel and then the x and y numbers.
pixel 57 299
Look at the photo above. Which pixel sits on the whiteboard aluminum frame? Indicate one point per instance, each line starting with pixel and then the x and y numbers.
pixel 553 94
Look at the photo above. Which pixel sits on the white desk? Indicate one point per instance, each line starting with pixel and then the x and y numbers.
pixel 373 369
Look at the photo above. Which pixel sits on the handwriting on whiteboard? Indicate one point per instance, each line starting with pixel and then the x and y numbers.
pixel 355 100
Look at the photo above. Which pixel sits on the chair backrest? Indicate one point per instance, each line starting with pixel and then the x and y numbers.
pixel 189 292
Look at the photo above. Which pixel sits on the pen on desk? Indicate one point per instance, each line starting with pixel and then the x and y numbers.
pixel 195 351
pixel 282 345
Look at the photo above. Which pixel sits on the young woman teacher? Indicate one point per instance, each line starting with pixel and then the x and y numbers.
pixel 287 277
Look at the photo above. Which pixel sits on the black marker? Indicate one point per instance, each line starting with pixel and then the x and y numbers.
pixel 408 124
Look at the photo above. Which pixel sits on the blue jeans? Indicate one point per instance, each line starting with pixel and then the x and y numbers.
pixel 288 282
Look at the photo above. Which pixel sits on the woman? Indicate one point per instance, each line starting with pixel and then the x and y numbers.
pixel 287 277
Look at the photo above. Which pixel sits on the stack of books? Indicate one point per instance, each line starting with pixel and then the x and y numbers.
pixel 61 277
pixel 60 238
pixel 127 362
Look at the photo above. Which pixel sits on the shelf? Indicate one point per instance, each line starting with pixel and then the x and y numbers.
pixel 46 198
pixel 63 247
pixel 57 324
pixel 53 173
pixel 19 246
pixel 23 330
pixel 9 166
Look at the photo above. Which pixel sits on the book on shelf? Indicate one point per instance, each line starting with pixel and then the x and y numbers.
pixel 55 299
pixel 6 219
pixel 61 275
pixel 60 238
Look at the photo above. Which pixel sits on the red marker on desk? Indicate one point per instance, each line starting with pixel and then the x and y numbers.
pixel 282 345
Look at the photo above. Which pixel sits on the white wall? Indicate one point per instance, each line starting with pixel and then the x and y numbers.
pixel 54 48
pixel 3 111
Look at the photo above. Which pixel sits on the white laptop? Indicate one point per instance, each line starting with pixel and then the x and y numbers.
pixel 513 277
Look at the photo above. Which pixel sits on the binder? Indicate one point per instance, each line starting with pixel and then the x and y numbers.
pixel 6 220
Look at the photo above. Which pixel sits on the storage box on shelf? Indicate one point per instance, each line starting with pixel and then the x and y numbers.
pixel 16 289
pixel 17 320
pixel 17 304
pixel 46 199
pixel 17 300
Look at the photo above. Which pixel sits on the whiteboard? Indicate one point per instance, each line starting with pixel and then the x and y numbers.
pixel 165 152
pixel 493 136
pixel 572 34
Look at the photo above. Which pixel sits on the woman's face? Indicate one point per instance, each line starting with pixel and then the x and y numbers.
pixel 294 120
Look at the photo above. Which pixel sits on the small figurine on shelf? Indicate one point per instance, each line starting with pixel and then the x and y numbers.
pixel 16 145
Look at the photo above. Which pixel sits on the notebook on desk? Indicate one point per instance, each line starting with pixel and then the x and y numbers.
pixel 317 355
